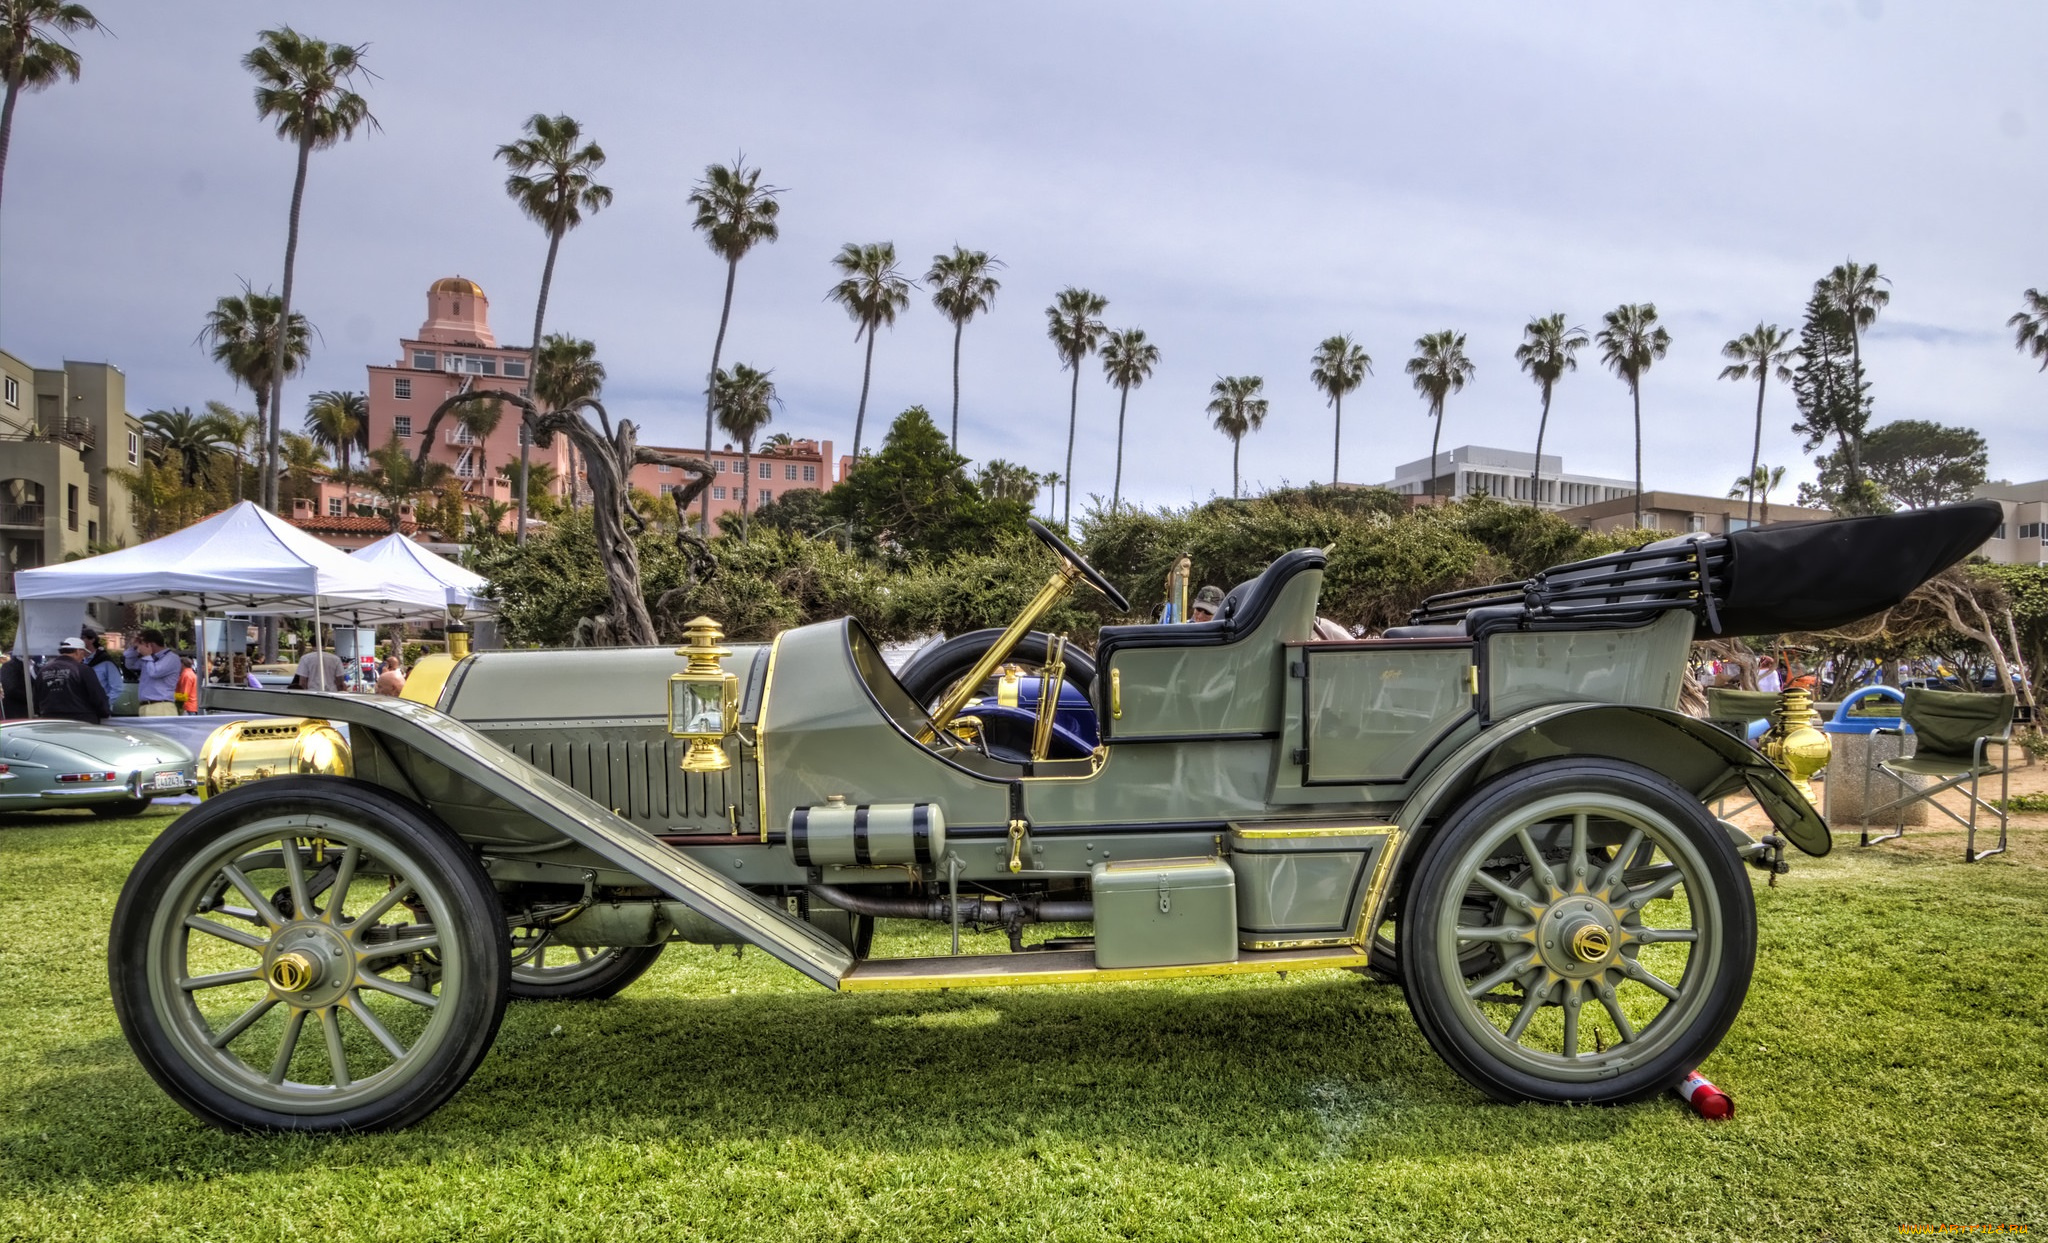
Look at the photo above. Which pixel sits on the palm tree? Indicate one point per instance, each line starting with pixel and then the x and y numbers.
pixel 306 87
pixel 299 460
pixel 1075 328
pixel 1546 353
pixel 340 423
pixel 1757 485
pixel 1127 359
pixel 1052 491
pixel 567 372
pixel 962 287
pixel 1851 291
pixel 734 212
pixel 552 180
pixel 1237 405
pixel 1630 342
pixel 1759 354
pixel 873 291
pixel 1007 481
pixel 34 55
pixel 236 430
pixel 1439 369
pixel 241 334
pixel 192 437
pixel 2030 327
pixel 1337 367
pixel 397 477
pixel 487 520
pixel 745 400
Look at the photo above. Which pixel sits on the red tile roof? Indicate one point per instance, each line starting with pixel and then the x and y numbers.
pixel 350 524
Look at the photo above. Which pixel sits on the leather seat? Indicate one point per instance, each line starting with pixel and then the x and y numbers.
pixel 1241 612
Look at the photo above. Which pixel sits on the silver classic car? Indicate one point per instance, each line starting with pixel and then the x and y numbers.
pixel 113 769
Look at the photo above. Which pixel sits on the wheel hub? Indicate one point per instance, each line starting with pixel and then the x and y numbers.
pixel 1578 937
pixel 309 965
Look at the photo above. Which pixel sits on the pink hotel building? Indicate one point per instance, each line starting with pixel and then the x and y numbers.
pixel 455 347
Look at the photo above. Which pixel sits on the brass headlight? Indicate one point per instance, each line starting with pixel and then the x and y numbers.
pixel 703 700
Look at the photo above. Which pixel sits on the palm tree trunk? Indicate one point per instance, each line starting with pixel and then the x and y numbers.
pixel 1436 410
pixel 269 468
pixel 1756 447
pixel 1337 439
pixel 284 318
pixel 1236 443
pixel 1073 418
pixel 746 489
pixel 860 415
pixel 959 326
pixel 1536 475
pixel 1116 489
pixel 7 123
pixel 1635 393
pixel 732 271
pixel 540 311
pixel 1856 409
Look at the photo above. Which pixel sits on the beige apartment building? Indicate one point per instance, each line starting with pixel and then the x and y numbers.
pixel 1680 512
pixel 2022 539
pixel 61 430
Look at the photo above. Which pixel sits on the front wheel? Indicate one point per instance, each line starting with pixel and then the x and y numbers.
pixel 308 953
pixel 1618 927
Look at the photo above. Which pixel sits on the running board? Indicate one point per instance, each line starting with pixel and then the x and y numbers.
pixel 472 756
pixel 1072 967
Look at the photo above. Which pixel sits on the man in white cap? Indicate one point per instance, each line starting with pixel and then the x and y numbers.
pixel 67 691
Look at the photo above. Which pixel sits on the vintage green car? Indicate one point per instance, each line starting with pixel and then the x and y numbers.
pixel 1498 806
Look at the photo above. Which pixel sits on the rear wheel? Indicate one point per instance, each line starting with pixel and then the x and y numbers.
pixel 932 672
pixel 308 953
pixel 1619 928
pixel 580 972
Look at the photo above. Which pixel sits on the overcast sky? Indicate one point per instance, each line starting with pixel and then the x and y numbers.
pixel 1239 180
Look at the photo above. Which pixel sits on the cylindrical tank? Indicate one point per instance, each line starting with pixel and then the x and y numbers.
pixel 862 834
pixel 242 751
pixel 1859 747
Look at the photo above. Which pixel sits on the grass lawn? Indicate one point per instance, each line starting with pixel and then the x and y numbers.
pixel 1891 1067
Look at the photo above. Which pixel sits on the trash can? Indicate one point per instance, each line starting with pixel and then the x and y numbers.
pixel 1857 746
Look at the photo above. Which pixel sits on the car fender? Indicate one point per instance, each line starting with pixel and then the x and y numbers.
pixel 1704 759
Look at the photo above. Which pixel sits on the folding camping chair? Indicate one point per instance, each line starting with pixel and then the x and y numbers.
pixel 1952 731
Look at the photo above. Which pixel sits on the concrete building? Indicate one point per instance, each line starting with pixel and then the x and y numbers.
pixel 1680 512
pixel 800 466
pixel 455 350
pixel 346 531
pixel 1469 470
pixel 2022 539
pixel 61 430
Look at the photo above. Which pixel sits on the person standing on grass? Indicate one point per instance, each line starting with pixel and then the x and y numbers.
pixel 13 687
pixel 157 669
pixel 106 663
pixel 68 691
pixel 319 670
pixel 188 687
pixel 392 680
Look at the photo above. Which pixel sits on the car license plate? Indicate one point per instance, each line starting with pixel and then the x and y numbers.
pixel 170 780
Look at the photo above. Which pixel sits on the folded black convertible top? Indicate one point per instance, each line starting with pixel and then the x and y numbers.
pixel 1763 580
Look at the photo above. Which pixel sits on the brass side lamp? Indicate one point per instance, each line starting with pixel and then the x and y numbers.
pixel 1794 743
pixel 703 700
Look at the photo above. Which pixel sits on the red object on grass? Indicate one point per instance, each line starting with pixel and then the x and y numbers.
pixel 1706 1100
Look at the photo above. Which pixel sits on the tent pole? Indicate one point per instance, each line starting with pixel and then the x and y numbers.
pixel 319 665
pixel 205 662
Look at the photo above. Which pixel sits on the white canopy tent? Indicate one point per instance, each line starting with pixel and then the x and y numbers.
pixel 401 560
pixel 243 560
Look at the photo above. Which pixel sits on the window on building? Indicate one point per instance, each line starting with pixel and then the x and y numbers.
pixel 71 505
pixel 334 507
pixel 134 449
pixel 763 497
pixel 423 360
pixel 2000 533
pixel 92 532
pixel 14 392
pixel 767 470
pixel 810 474
pixel 515 367
pixel 2030 530
pixel 401 388
pixel 469 364
pixel 401 426
pixel 789 471
pixel 1697 522
pixel 718 494
pixel 665 469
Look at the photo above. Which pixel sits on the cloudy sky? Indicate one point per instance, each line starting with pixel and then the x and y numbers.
pixel 1239 180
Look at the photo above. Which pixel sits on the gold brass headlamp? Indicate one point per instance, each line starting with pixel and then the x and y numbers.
pixel 703 700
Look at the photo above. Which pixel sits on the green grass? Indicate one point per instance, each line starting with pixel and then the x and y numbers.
pixel 1888 1069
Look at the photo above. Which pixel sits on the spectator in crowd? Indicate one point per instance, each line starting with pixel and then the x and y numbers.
pixel 318 671
pixel 392 680
pixel 13 687
pixel 240 674
pixel 105 662
pixel 68 691
pixel 1207 601
pixel 157 671
pixel 188 686
pixel 1767 678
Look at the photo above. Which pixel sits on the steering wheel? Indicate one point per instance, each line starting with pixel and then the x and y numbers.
pixel 1092 576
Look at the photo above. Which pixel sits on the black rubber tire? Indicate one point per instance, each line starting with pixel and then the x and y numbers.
pixel 1427 992
pixel 937 667
pixel 623 964
pixel 478 937
pixel 122 810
